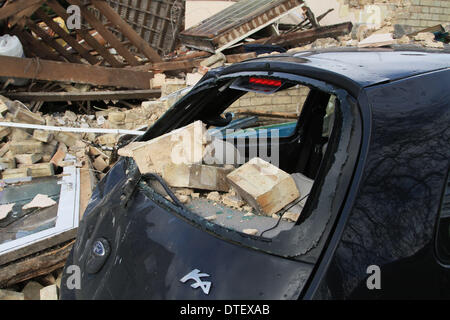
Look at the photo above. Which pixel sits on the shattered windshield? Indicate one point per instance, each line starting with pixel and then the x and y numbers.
pixel 248 163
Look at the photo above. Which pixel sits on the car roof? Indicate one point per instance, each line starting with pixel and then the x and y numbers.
pixel 367 67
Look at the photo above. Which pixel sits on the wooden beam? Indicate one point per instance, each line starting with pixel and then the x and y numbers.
pixel 51 42
pixel 37 246
pixel 35 266
pixel 127 30
pixel 34 46
pixel 66 37
pixel 235 58
pixel 16 7
pixel 105 33
pixel 305 37
pixel 73 72
pixel 168 66
pixel 83 96
pixel 104 52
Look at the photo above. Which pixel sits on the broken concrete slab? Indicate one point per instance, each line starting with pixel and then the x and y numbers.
pixel 40 201
pixel 263 186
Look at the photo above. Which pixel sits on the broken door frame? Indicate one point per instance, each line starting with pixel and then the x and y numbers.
pixel 66 221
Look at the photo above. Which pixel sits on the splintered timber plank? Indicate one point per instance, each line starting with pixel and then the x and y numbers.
pixel 51 42
pixel 127 30
pixel 90 40
pixel 72 72
pixel 28 268
pixel 66 37
pixel 105 33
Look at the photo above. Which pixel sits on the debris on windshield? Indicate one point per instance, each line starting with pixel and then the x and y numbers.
pixel 264 186
pixel 183 145
pixel 252 232
pixel 196 176
pixel 40 201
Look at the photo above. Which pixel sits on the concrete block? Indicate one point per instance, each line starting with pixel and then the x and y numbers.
pixel 263 186
pixel 196 176
pixel 27 146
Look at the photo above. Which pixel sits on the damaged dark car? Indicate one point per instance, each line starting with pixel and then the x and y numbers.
pixel 369 151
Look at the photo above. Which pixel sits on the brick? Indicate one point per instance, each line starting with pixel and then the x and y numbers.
pixel 11 295
pixel 21 114
pixel 39 169
pixel 426 2
pixel 28 146
pixel 437 3
pixel 32 290
pixel 100 164
pixel 281 100
pixel 183 145
pixel 4 131
pixel 196 176
pixel 3 108
pixel 59 155
pixel 193 78
pixel 157 81
pixel 435 10
pixel 117 117
pixel 4 149
pixel 7 163
pixel 49 293
pixel 16 173
pixel 68 138
pixel 109 139
pixel 245 102
pixel 28 158
pixel 258 101
pixel 42 135
pixel 263 186
pixel 51 147
pixel 435 17
pixel 18 134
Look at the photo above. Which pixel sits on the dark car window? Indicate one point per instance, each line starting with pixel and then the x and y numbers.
pixel 443 232
pixel 327 128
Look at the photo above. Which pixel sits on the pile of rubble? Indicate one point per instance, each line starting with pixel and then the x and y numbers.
pixel 45 287
pixel 197 166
